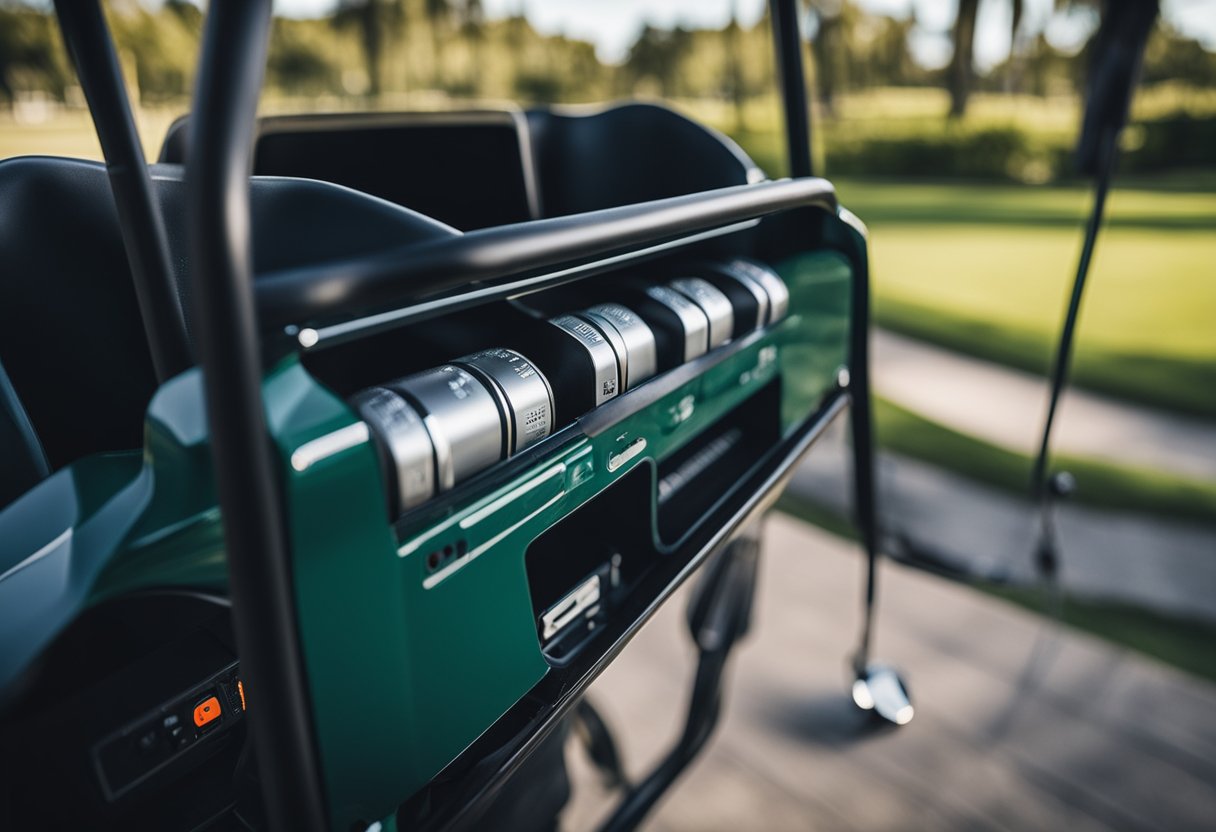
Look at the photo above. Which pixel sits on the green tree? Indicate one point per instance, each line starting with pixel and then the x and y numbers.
pixel 299 60
pixel 1171 56
pixel 162 45
pixel 439 22
pixel 31 55
pixel 828 50
pixel 655 57
pixel 374 20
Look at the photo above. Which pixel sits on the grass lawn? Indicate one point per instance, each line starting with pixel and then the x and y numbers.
pixel 71 133
pixel 986 270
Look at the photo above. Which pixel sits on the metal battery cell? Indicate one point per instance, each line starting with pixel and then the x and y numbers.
pixel 462 417
pixel 693 322
pixel 738 284
pixel 778 292
pixel 607 372
pixel 523 392
pixel 398 430
pixel 633 341
pixel 713 303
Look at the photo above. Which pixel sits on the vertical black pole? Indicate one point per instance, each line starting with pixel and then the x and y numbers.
pixel 865 497
pixel 1115 60
pixel 235 41
pixel 143 229
pixel 1107 156
pixel 788 38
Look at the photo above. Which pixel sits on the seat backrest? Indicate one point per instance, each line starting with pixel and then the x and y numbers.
pixel 465 168
pixel 70 333
pixel 626 154
pixel 71 336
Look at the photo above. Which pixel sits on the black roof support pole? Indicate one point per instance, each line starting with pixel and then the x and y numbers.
pixel 143 229
pixel 788 38
pixel 235 41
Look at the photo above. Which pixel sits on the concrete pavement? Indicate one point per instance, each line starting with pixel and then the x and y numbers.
pixel 1007 407
pixel 1161 564
pixel 1020 725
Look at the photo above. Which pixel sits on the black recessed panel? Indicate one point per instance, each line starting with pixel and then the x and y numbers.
pixel 466 175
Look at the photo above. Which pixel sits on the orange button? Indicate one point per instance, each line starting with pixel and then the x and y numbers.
pixel 206 711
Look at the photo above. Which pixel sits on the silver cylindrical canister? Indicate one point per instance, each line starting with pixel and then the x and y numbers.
pixel 399 431
pixel 713 303
pixel 636 351
pixel 524 395
pixel 692 320
pixel 778 292
pixel 462 417
pixel 751 288
pixel 603 357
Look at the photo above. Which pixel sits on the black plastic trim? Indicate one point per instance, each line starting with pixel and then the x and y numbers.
pixel 787 37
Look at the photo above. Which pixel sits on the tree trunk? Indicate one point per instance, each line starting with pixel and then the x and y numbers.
pixel 825 51
pixel 734 58
pixel 370 24
pixel 961 71
pixel 1016 62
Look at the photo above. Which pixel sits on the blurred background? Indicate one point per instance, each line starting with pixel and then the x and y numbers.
pixel 948 127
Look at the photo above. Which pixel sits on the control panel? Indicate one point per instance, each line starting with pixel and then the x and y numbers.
pixel 145 746
pixel 438 427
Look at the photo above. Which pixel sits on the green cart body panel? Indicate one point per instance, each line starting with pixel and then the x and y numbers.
pixel 409 657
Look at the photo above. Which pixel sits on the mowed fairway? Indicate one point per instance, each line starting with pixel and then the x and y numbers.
pixel 987 269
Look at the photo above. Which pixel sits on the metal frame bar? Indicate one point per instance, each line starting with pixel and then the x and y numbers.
pixel 233 59
pixel 143 229
pixel 865 493
pixel 787 37
pixel 719 615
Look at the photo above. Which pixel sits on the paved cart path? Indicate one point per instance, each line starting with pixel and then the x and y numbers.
pixel 1154 562
pixel 1007 407
pixel 1019 725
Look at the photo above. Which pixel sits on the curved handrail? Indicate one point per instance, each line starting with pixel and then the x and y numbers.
pixel 421 270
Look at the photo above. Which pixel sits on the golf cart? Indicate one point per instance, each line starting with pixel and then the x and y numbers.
pixel 328 490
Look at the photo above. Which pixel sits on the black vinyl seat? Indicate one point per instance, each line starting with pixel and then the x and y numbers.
pixel 580 159
pixel 70 333
pixel 630 153
pixel 78 372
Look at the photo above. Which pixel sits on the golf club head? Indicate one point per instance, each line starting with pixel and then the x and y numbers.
pixel 880 690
